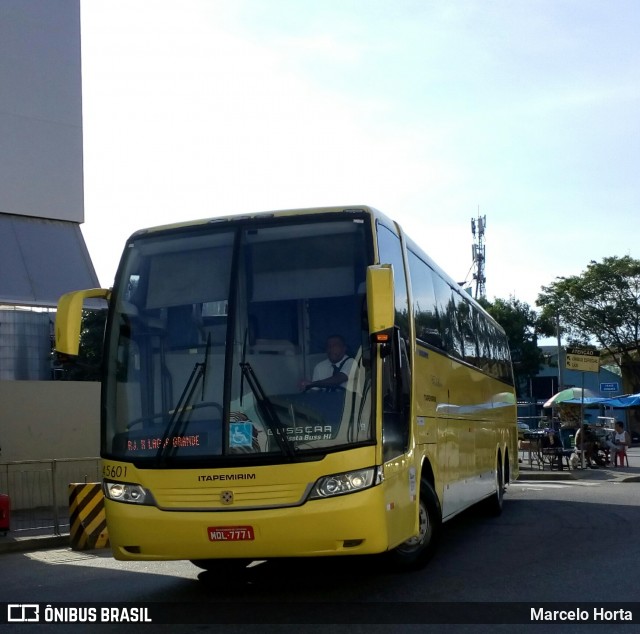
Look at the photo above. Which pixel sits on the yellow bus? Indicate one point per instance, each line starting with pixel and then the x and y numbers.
pixel 298 383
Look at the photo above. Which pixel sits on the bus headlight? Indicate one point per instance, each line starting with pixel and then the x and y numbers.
pixel 124 492
pixel 342 483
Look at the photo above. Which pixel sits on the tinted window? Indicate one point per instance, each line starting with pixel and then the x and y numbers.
pixel 465 329
pixel 390 251
pixel 425 307
pixel 445 312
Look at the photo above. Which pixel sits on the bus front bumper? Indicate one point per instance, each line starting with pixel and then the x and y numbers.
pixel 343 525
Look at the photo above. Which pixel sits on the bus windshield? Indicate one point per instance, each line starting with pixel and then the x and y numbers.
pixel 220 337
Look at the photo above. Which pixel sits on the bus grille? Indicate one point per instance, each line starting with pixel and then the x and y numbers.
pixel 242 496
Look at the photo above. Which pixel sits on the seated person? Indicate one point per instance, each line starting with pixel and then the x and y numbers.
pixel 333 372
pixel 618 444
pixel 551 445
pixel 586 441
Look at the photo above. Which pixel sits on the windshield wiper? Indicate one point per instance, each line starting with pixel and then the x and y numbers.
pixel 267 411
pixel 244 357
pixel 182 411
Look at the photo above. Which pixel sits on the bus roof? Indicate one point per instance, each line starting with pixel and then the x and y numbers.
pixel 281 213
pixel 311 211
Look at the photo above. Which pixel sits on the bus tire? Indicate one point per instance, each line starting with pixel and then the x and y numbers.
pixel 222 566
pixel 416 551
pixel 495 503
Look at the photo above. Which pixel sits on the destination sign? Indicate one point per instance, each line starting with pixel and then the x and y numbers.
pixel 151 444
pixel 154 443
pixel 583 359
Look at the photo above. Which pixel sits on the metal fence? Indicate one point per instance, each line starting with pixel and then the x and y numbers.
pixel 39 492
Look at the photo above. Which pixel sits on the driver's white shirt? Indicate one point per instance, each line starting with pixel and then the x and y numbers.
pixel 324 369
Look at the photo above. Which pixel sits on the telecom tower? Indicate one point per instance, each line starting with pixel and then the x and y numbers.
pixel 477 229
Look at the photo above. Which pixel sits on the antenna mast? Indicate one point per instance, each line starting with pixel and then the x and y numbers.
pixel 478 226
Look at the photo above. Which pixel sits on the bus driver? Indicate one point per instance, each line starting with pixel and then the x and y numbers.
pixel 331 373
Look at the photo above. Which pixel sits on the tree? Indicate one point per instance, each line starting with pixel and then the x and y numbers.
pixel 601 305
pixel 87 367
pixel 522 326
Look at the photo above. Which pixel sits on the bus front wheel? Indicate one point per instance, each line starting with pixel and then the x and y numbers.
pixel 416 551
pixel 223 566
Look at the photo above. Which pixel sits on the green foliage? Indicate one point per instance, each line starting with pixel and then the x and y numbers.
pixel 601 305
pixel 87 367
pixel 523 326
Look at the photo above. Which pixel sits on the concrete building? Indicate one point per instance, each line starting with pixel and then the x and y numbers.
pixel 42 251
pixel 605 383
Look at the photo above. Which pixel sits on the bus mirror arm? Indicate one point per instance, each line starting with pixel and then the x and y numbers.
pixel 385 341
pixel 69 319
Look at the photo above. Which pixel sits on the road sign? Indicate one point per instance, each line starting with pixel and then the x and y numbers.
pixel 583 359
pixel 614 386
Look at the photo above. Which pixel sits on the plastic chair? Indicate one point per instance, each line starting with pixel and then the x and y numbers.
pixel 623 458
pixel 556 456
pixel 568 442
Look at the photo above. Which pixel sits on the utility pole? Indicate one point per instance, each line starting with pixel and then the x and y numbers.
pixel 478 226
pixel 559 349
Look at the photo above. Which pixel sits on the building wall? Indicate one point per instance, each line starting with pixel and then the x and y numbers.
pixel 25 344
pixel 44 420
pixel 572 378
pixel 41 109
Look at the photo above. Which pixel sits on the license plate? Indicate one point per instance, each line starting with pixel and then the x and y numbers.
pixel 230 533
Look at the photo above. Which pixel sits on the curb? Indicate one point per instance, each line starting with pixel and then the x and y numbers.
pixel 33 543
pixel 571 475
pixel 547 475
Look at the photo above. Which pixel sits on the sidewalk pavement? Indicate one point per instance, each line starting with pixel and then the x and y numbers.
pixel 41 538
pixel 36 540
pixel 602 474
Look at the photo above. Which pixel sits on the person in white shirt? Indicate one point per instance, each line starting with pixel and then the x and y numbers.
pixel 619 444
pixel 333 372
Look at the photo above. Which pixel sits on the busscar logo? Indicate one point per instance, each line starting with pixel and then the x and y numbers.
pixel 23 613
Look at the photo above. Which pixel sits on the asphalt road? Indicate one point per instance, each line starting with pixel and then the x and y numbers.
pixel 563 541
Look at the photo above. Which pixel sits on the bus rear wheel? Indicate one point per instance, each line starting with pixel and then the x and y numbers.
pixel 416 551
pixel 495 503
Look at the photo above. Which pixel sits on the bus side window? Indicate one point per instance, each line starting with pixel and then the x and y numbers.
pixel 445 310
pixel 425 307
pixel 390 251
pixel 396 379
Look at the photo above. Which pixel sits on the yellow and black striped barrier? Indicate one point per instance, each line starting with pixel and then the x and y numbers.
pixel 87 518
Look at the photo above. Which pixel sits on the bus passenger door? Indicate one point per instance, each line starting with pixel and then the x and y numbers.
pixel 393 401
pixel 401 485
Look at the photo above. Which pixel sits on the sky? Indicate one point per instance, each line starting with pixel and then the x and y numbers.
pixel 433 111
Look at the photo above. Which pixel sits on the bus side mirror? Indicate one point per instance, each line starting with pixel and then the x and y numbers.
pixel 380 301
pixel 69 319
